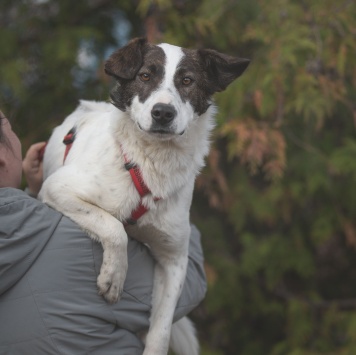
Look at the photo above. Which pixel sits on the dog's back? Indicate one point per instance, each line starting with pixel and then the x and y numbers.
pixel 87 113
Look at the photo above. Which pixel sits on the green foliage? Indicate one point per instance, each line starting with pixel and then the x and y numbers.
pixel 286 138
pixel 343 158
pixel 40 47
pixel 276 204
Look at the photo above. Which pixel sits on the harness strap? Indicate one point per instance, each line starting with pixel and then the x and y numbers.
pixel 68 141
pixel 136 214
pixel 136 177
pixel 141 188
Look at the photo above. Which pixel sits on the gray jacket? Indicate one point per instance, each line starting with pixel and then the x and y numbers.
pixel 48 298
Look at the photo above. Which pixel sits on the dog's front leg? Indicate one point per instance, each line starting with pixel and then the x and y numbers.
pixel 100 225
pixel 113 270
pixel 105 228
pixel 170 274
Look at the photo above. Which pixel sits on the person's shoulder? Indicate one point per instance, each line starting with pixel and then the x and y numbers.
pixel 27 211
pixel 17 204
pixel 13 200
pixel 19 198
pixel 10 195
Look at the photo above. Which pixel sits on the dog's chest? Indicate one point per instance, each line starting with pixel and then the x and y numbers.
pixel 118 192
pixel 114 188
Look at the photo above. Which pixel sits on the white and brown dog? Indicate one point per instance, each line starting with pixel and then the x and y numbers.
pixel 133 164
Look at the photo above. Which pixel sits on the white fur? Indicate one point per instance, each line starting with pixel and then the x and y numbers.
pixel 183 338
pixel 94 189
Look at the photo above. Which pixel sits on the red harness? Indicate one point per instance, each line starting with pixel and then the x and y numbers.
pixel 141 188
pixel 134 171
pixel 68 141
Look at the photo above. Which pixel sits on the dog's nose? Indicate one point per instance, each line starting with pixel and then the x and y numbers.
pixel 163 113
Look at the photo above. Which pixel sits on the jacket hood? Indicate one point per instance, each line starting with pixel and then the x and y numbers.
pixel 26 225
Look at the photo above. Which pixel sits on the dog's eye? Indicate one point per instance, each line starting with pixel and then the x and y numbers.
pixel 144 77
pixel 187 81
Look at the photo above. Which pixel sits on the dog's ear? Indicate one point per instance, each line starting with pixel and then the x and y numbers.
pixel 126 61
pixel 222 69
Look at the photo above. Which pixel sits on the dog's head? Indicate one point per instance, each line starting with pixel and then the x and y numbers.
pixel 165 87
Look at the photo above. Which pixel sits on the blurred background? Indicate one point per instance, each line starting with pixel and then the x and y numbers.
pixel 276 203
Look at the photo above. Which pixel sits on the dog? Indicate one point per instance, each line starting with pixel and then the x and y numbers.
pixel 133 162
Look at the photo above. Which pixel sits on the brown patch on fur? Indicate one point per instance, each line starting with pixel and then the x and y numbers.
pixel 141 58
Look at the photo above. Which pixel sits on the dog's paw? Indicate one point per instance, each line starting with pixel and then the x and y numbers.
pixel 110 282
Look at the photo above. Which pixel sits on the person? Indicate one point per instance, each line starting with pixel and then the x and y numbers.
pixel 49 302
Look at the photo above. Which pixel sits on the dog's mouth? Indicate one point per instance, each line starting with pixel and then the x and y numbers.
pixel 161 131
pixel 164 132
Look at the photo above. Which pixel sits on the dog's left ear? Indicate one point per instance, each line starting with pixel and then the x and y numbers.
pixel 126 61
pixel 222 69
